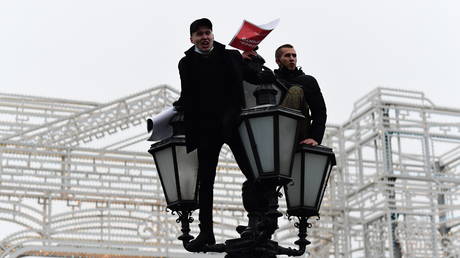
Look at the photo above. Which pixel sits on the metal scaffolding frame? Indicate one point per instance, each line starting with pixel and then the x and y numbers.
pixel 398 176
pixel 72 182
pixel 20 113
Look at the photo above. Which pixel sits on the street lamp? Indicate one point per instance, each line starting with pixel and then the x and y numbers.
pixel 178 172
pixel 311 168
pixel 269 132
pixel 269 135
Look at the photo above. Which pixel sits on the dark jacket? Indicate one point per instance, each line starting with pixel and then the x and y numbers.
pixel 212 88
pixel 313 97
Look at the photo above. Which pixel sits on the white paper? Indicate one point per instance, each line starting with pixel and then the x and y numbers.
pixel 271 25
pixel 159 125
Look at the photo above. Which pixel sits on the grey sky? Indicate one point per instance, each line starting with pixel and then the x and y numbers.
pixel 106 49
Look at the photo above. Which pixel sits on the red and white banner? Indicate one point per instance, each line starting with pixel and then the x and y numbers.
pixel 250 35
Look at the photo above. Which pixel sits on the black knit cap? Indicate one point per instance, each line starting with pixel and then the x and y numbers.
pixel 203 22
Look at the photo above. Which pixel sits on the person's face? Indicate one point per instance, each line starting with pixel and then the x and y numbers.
pixel 203 38
pixel 288 58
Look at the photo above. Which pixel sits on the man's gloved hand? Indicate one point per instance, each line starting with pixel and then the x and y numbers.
pixel 254 61
pixel 258 59
pixel 248 55
pixel 251 55
pixel 266 76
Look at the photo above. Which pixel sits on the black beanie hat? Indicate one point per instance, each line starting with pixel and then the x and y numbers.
pixel 203 22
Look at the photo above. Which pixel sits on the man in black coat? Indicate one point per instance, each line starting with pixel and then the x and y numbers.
pixel 211 98
pixel 303 93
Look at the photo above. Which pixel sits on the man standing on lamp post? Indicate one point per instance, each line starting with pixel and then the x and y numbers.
pixel 211 98
pixel 303 94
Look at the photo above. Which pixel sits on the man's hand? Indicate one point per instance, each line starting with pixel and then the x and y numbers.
pixel 249 54
pixel 309 141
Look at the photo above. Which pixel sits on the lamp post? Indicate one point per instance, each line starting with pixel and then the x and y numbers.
pixel 310 173
pixel 269 135
pixel 311 169
pixel 178 172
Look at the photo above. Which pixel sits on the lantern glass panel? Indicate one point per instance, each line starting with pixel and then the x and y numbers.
pixel 247 147
pixel 165 165
pixel 287 133
pixel 328 172
pixel 262 128
pixel 188 171
pixel 315 167
pixel 293 188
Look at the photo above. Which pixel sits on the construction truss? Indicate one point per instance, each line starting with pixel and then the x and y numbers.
pixel 398 178
pixel 76 180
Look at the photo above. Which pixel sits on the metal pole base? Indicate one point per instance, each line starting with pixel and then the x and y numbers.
pixel 246 248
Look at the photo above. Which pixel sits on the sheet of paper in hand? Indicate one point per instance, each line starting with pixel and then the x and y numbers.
pixel 250 35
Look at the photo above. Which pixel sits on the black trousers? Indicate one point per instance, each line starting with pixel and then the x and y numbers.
pixel 209 146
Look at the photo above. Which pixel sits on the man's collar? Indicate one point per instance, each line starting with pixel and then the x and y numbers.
pixel 284 72
pixel 201 52
pixel 216 47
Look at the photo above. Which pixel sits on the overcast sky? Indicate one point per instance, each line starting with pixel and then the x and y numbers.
pixel 100 50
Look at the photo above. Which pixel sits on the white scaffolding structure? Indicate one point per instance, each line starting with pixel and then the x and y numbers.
pixel 397 178
pixel 74 181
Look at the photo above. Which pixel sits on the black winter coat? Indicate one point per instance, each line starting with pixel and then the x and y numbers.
pixel 313 97
pixel 226 97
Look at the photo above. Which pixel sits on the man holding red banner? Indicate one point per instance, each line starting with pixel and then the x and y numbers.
pixel 211 98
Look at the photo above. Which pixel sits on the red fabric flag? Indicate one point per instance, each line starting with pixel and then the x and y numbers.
pixel 250 35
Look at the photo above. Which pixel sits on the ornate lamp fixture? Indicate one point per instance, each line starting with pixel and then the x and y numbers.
pixel 178 171
pixel 269 135
pixel 310 173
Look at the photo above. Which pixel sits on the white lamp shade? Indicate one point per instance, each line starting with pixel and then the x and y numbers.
pixel 165 165
pixel 310 172
pixel 188 172
pixel 293 188
pixel 287 140
pixel 178 171
pixel 269 136
pixel 315 169
pixel 262 146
